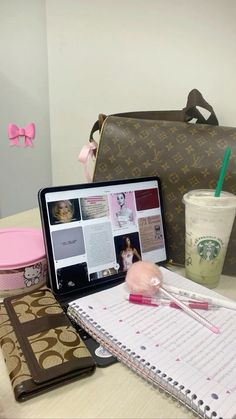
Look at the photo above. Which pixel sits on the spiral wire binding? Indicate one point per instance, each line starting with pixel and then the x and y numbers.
pixel 151 374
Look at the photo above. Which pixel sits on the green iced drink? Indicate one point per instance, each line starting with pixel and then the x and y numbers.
pixel 208 221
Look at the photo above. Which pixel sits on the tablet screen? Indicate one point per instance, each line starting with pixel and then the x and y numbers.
pixel 94 232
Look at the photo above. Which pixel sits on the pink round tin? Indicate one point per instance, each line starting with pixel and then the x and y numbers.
pixel 23 264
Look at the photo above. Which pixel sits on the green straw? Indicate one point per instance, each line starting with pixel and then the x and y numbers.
pixel 222 172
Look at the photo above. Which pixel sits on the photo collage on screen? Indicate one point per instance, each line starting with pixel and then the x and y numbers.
pixel 102 235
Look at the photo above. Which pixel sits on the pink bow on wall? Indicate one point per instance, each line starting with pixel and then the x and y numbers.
pixel 28 132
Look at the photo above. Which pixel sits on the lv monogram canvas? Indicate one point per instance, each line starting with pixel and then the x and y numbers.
pixel 185 156
pixel 40 347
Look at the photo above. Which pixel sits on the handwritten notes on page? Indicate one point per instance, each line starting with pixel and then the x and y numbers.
pixel 171 343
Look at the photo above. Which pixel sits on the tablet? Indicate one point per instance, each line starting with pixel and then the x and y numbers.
pixel 94 232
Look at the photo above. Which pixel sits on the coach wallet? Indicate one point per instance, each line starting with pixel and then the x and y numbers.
pixel 41 348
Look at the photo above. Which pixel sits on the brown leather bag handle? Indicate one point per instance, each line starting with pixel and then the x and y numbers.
pixel 195 98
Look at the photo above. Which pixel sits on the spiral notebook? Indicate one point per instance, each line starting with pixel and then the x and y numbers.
pixel 167 347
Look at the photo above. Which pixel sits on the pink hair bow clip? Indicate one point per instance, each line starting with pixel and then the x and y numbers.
pixel 28 132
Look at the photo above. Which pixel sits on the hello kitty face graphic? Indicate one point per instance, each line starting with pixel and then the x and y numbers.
pixel 32 274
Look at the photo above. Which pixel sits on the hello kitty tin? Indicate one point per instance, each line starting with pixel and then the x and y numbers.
pixel 23 264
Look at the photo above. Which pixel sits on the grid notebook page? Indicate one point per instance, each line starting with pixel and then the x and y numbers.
pixel 168 345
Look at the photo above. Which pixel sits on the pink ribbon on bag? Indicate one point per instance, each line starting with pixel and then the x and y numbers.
pixel 14 133
pixel 85 154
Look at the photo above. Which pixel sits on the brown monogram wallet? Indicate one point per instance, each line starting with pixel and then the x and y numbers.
pixel 40 347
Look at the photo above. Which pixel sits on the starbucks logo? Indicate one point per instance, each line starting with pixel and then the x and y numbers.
pixel 208 249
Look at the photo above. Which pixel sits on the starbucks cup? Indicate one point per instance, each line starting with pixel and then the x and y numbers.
pixel 208 225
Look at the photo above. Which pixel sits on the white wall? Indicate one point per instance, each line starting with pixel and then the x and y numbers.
pixel 108 56
pixel 103 56
pixel 23 99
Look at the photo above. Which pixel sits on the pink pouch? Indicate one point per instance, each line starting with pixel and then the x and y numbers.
pixel 23 263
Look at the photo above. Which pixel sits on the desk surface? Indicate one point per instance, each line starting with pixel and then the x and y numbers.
pixel 112 392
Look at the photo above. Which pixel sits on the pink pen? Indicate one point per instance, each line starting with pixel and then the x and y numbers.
pixel 200 305
pixel 140 299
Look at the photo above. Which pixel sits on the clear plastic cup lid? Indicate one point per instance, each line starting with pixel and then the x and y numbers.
pixel 206 197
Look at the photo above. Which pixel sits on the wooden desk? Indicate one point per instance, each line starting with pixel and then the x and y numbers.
pixel 112 392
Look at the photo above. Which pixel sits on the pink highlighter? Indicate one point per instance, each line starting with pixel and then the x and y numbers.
pixel 145 279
